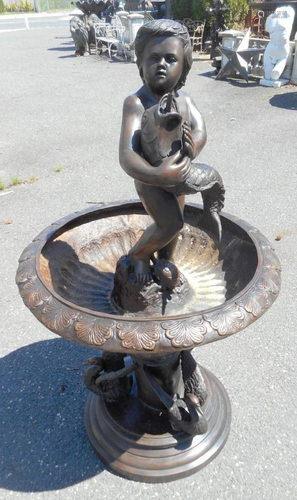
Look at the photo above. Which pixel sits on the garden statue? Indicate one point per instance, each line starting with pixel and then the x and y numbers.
pixel 218 11
pixel 279 26
pixel 162 133
pixel 80 36
pixel 92 22
pixel 83 31
pixel 147 293
pixel 239 58
pixel 83 27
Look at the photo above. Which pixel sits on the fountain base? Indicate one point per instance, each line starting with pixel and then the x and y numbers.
pixel 138 443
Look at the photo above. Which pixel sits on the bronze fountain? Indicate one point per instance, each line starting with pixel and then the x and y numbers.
pixel 146 294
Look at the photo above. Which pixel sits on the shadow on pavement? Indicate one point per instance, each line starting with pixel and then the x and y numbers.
pixel 285 101
pixel 209 74
pixel 67 57
pixel 233 81
pixel 63 49
pixel 44 444
pixel 243 83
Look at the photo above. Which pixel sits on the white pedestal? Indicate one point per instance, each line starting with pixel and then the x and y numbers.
pixel 273 83
pixel 135 21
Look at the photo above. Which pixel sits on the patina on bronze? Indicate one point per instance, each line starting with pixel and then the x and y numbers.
pixel 154 414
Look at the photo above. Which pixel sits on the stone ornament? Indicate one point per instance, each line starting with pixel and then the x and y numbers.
pixel 239 58
pixel 279 26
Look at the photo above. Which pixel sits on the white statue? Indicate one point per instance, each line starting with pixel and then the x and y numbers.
pixel 279 26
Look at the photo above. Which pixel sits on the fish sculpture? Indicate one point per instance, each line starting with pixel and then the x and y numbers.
pixel 162 136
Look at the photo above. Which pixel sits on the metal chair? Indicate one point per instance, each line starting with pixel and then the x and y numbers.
pixel 197 36
pixel 258 24
pixel 111 36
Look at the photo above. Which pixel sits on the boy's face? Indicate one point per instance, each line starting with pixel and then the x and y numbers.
pixel 162 64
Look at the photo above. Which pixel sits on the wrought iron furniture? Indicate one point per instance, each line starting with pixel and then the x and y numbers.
pixel 197 36
pixel 112 36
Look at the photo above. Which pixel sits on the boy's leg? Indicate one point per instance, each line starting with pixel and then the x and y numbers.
pixel 165 210
pixel 168 251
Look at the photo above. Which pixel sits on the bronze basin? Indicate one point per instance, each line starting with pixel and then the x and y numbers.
pixel 65 278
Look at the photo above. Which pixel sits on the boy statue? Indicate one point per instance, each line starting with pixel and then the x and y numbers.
pixel 162 133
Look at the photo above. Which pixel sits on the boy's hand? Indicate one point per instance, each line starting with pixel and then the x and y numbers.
pixel 188 143
pixel 174 170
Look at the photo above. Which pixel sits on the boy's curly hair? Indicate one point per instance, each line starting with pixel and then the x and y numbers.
pixel 164 27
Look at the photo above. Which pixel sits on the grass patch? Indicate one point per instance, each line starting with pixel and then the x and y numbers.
pixel 58 169
pixel 32 178
pixel 15 181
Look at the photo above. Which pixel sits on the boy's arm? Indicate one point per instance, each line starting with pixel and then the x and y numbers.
pixel 168 174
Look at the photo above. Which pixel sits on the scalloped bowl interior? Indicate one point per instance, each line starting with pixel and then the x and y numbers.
pixel 79 259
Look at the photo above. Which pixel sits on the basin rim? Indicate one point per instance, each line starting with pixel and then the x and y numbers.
pixel 74 322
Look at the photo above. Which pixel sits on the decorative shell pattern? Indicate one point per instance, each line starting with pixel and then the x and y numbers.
pixel 119 334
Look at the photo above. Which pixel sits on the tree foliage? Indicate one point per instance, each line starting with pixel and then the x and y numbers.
pixel 193 9
pixel 196 9
pixel 238 11
pixel 22 6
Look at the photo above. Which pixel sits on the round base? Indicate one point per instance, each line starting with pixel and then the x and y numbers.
pixel 139 443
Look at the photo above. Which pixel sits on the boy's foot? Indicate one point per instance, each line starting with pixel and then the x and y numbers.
pixel 142 271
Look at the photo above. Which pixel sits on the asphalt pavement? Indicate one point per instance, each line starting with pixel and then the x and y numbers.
pixel 43 20
pixel 60 122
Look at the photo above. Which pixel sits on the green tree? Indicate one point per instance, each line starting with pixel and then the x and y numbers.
pixel 238 11
pixel 196 9
pixel 26 6
pixel 193 9
pixel 12 7
pixel 2 7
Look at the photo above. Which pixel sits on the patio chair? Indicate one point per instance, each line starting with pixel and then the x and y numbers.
pixel 111 36
pixel 197 36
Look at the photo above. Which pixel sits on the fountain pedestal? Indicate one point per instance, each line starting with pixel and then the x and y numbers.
pixel 140 444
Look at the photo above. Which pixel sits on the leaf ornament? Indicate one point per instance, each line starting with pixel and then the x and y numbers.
pixel 226 321
pixel 26 271
pixel 185 333
pixel 33 294
pixel 93 331
pixel 140 336
pixel 254 302
pixel 270 280
pixel 57 317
